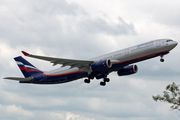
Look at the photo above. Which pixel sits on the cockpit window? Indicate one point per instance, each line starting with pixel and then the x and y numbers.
pixel 168 40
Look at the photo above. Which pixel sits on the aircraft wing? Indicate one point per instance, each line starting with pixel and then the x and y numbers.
pixel 81 64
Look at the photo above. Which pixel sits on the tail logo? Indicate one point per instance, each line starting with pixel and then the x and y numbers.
pixel 27 68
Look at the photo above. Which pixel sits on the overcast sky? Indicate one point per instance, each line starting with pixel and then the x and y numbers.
pixel 83 29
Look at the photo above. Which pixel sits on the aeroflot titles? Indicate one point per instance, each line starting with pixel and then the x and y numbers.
pixel 144 44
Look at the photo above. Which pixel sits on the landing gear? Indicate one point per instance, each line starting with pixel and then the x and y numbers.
pixel 106 79
pixel 87 81
pixel 162 60
pixel 103 83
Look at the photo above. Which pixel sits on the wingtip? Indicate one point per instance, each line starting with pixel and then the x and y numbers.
pixel 25 53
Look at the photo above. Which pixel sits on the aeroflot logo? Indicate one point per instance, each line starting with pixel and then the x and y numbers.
pixel 27 66
pixel 144 44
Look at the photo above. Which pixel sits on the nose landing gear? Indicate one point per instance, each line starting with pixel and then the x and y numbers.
pixel 162 60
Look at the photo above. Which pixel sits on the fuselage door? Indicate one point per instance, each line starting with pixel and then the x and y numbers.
pixel 127 52
pixel 158 43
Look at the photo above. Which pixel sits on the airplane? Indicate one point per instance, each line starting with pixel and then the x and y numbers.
pixel 121 61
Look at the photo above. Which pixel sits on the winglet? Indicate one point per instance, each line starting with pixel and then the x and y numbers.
pixel 25 53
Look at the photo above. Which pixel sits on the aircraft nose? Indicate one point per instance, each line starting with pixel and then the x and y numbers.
pixel 172 45
pixel 175 43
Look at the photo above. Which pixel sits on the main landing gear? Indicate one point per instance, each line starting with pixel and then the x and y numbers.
pixel 102 83
pixel 87 80
pixel 162 60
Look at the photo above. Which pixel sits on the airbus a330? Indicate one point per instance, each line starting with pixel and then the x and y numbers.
pixel 121 61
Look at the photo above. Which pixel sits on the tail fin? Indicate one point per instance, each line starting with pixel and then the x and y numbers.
pixel 26 68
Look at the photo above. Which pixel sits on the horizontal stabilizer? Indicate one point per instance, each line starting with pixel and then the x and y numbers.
pixel 19 79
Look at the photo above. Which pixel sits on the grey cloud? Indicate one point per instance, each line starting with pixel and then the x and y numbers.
pixel 101 26
pixel 75 35
pixel 29 21
pixel 162 12
pixel 38 25
pixel 81 103
pixel 118 99
pixel 55 7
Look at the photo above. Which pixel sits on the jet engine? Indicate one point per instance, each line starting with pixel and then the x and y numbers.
pixel 101 65
pixel 128 70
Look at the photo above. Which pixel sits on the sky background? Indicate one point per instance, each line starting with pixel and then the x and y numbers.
pixel 83 29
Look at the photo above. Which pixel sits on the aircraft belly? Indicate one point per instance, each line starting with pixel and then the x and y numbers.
pixel 64 78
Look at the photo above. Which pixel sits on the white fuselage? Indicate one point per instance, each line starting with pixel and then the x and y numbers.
pixel 128 54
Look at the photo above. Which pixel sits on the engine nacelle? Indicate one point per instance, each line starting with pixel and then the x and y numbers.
pixel 101 65
pixel 128 70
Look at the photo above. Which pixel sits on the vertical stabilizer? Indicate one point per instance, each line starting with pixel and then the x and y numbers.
pixel 26 68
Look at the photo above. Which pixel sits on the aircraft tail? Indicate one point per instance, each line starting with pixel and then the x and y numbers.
pixel 26 68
